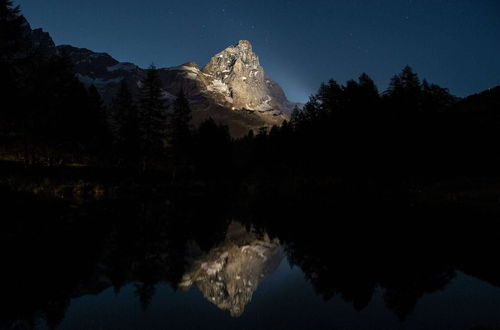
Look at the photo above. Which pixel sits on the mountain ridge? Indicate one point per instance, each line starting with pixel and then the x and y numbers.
pixel 232 88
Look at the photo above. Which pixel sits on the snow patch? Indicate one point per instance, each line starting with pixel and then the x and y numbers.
pixel 97 82
pixel 212 268
pixel 96 55
pixel 186 68
pixel 192 75
pixel 168 96
pixel 191 72
pixel 265 106
pixel 122 66
pixel 218 86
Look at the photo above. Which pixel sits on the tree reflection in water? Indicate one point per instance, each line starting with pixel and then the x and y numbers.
pixel 53 251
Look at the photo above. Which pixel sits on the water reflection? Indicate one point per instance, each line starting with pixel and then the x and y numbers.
pixel 89 249
pixel 229 274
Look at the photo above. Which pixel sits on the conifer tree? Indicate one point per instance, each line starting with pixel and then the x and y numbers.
pixel 368 88
pixel 361 96
pixel 126 127
pixel 329 97
pixel 152 118
pixel 410 79
pixel 56 109
pixel 179 123
pixel 213 148
pixel 12 42
pixel 12 30
pixel 121 108
pixel 98 125
pixel 436 98
pixel 405 91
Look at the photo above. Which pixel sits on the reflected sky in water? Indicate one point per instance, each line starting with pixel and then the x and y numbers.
pixel 285 300
pixel 141 264
pixel 246 282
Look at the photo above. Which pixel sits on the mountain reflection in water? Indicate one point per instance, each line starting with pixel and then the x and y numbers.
pixel 229 274
pixel 189 266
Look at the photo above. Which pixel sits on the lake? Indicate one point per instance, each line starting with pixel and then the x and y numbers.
pixel 207 261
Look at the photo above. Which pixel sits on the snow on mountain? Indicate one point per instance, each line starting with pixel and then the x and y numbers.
pixel 122 67
pixel 232 88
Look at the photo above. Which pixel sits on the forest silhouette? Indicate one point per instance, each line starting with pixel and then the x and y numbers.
pixel 128 186
pixel 413 133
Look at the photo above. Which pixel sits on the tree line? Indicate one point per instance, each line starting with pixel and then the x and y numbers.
pixel 412 130
pixel 50 118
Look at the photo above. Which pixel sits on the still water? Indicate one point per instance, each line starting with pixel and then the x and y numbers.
pixel 284 301
pixel 158 265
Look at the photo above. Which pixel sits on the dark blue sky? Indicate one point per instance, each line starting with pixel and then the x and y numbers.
pixel 454 43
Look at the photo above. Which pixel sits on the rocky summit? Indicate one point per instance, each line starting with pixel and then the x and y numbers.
pixel 236 71
pixel 232 88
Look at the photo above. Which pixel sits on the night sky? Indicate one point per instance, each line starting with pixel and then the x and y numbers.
pixel 454 43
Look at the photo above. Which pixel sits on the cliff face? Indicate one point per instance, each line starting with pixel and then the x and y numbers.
pixel 237 71
pixel 229 274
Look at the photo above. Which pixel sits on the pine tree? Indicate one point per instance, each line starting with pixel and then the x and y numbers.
pixel 330 97
pixel 98 124
pixel 368 88
pixel 126 127
pixel 395 85
pixel 12 42
pixel 56 112
pixel 213 149
pixel 295 116
pixel 12 30
pixel 365 99
pixel 350 95
pixel 313 111
pixel 121 108
pixel 179 123
pixel 405 91
pixel 436 98
pixel 152 118
pixel 410 79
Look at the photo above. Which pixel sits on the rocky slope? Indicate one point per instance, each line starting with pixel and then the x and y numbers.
pixel 236 72
pixel 232 88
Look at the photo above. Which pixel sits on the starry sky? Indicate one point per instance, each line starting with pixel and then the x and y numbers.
pixel 454 43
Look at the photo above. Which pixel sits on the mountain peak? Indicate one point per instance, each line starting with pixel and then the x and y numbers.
pixel 244 44
pixel 232 88
pixel 237 71
pixel 238 67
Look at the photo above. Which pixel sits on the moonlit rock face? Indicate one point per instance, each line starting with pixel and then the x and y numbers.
pixel 239 68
